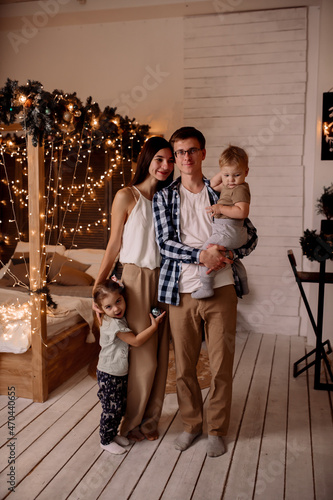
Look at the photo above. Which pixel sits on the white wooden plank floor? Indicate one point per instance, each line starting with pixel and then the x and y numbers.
pixel 280 443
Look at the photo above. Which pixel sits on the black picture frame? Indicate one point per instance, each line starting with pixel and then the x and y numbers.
pixel 327 122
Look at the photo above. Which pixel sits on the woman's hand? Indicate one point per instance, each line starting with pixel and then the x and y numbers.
pixel 98 313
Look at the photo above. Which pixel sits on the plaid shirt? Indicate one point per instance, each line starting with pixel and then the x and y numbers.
pixel 166 211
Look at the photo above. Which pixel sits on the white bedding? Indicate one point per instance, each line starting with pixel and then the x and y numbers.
pixel 16 338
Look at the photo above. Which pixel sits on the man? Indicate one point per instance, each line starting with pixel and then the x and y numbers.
pixel 182 226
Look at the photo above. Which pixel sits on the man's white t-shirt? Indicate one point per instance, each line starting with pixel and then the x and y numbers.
pixel 195 229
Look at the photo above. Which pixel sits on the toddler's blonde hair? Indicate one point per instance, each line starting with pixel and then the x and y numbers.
pixel 233 155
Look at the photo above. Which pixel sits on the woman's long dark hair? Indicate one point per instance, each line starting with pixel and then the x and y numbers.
pixel 152 146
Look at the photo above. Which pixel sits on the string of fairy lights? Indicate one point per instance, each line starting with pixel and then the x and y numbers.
pixel 13 317
pixel 70 133
pixel 77 193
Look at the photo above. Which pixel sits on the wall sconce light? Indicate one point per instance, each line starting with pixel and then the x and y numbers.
pixel 327 126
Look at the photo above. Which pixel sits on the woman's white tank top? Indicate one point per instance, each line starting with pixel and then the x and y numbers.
pixel 138 242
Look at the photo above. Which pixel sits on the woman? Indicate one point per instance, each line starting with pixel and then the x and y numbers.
pixel 133 238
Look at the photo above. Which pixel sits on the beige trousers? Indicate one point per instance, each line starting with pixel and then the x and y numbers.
pixel 148 364
pixel 218 313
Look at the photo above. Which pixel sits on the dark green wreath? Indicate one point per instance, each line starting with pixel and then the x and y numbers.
pixel 315 247
pixel 325 203
pixel 309 243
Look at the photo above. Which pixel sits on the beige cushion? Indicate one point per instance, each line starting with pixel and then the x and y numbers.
pixel 70 276
pixel 56 263
pixel 20 258
pixel 21 273
pixel 19 267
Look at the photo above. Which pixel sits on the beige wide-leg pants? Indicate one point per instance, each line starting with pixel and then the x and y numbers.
pixel 219 316
pixel 148 364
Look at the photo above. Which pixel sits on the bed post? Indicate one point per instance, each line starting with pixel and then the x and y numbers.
pixel 37 269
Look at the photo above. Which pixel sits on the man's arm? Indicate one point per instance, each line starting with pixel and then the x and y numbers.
pixel 168 240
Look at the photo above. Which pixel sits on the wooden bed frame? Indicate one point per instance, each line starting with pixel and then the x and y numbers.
pixel 47 364
pixel 34 376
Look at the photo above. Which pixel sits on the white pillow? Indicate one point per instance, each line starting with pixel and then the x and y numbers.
pixel 86 255
pixel 23 246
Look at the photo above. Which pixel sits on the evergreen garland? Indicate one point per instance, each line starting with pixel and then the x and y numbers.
pixel 49 300
pixel 53 115
pixel 8 108
pixel 39 121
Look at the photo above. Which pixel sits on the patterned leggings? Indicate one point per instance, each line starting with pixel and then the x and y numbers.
pixel 112 394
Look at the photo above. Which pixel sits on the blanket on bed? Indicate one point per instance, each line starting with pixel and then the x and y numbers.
pixel 15 314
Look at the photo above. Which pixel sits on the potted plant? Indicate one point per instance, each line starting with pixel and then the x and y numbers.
pixel 325 207
pixel 320 247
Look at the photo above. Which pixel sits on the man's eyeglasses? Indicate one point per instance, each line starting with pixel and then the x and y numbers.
pixel 191 152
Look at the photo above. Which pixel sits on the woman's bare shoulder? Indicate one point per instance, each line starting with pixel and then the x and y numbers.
pixel 125 195
pixel 124 199
pixel 124 192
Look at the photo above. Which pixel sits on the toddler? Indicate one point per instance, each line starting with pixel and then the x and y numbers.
pixel 112 367
pixel 228 214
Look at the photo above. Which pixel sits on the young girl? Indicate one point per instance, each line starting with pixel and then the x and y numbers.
pixel 112 368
